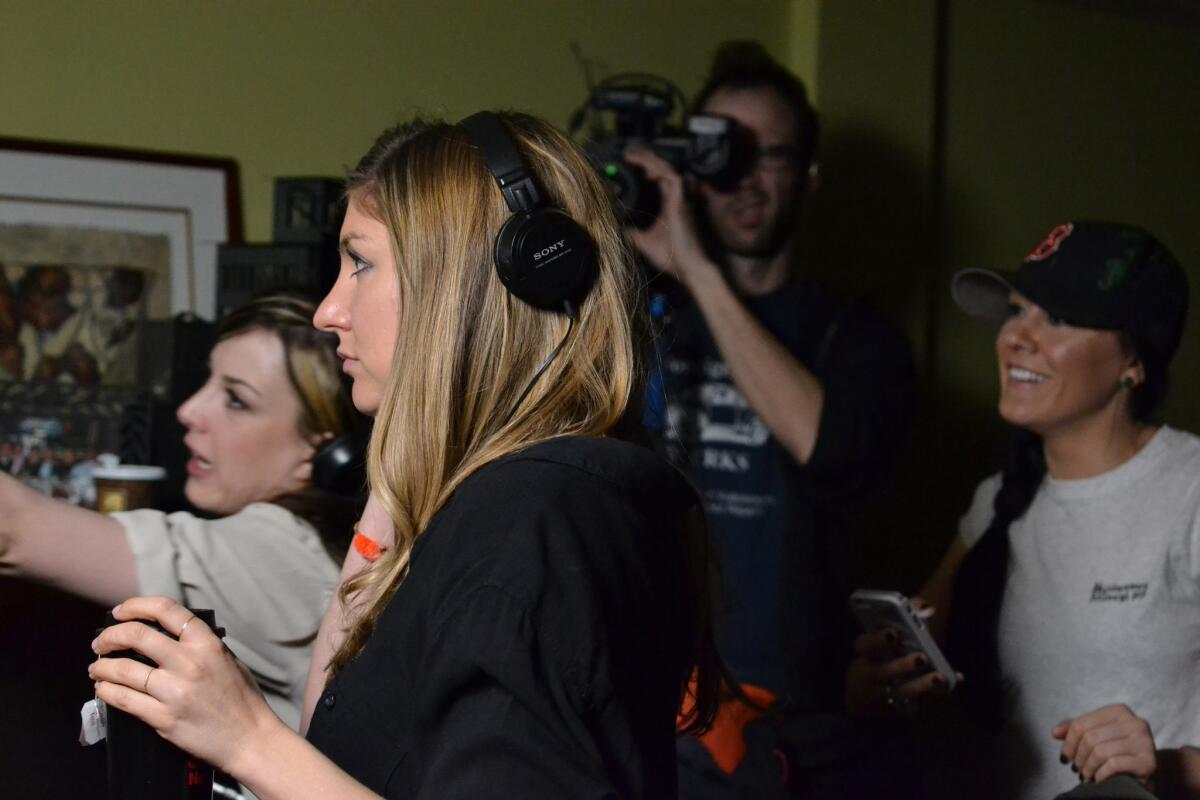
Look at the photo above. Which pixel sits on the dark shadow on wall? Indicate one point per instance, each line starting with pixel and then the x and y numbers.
pixel 867 229
pixel 903 532
pixel 871 234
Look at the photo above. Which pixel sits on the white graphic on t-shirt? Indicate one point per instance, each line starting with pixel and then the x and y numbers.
pixel 713 421
pixel 724 417
pixel 724 460
pixel 737 504
pixel 1118 591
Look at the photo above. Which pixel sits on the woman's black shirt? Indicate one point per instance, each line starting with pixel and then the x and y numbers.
pixel 535 648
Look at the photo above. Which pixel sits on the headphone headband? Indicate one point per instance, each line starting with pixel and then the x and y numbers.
pixel 542 256
pixel 488 133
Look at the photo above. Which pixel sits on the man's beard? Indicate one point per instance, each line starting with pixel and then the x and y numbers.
pixel 768 241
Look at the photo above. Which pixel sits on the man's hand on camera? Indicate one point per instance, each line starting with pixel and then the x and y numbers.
pixel 671 244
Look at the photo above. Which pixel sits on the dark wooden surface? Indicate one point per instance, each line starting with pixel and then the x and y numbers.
pixel 44 652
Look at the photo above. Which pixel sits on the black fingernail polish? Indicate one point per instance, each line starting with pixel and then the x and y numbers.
pixel 1076 769
pixel 1062 759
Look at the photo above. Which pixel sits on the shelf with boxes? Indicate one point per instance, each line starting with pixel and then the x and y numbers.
pixel 303 254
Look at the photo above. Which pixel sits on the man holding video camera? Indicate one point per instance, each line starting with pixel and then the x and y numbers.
pixel 783 403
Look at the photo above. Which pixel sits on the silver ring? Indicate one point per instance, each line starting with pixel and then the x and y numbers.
pixel 146 683
pixel 184 628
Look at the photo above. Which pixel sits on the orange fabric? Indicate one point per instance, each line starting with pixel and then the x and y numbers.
pixel 724 740
pixel 367 547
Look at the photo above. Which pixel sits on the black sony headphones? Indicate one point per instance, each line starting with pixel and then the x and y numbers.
pixel 340 464
pixel 542 256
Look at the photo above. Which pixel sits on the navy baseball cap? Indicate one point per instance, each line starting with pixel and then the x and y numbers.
pixel 1092 275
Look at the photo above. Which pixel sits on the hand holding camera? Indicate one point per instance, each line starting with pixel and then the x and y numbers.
pixel 671 244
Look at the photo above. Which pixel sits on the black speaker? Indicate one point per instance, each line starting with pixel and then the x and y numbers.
pixel 173 356
pixel 246 270
pixel 174 365
pixel 307 210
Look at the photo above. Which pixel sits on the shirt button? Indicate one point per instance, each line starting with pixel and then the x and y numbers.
pixel 330 700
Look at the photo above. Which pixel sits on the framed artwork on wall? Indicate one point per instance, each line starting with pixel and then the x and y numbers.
pixel 93 243
pixel 79 206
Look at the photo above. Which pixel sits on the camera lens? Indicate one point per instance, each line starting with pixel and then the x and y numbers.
pixel 637 200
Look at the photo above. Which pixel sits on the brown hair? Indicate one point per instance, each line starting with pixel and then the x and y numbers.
pixel 315 375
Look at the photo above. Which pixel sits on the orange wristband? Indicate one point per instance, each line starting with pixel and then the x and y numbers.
pixel 367 547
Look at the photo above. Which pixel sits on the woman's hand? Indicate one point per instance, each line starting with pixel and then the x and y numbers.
pixel 882 677
pixel 1108 741
pixel 199 697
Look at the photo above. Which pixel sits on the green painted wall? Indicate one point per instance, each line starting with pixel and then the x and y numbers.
pixel 870 230
pixel 801 51
pixel 294 87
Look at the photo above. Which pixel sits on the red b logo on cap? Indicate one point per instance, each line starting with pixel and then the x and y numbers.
pixel 1050 244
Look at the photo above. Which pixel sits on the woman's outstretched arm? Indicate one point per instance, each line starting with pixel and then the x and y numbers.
pixel 63 546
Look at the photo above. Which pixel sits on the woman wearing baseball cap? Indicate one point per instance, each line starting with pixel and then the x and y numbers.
pixel 1074 581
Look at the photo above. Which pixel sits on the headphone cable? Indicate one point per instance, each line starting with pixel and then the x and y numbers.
pixel 569 308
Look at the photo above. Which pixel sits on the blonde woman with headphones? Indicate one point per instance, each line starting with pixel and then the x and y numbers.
pixel 541 614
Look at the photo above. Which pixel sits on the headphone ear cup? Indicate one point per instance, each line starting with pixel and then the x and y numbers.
pixel 545 258
pixel 340 465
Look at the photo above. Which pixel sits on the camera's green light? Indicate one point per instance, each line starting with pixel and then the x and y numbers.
pixel 610 171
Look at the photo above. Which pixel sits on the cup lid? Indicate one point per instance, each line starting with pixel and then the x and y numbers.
pixel 130 472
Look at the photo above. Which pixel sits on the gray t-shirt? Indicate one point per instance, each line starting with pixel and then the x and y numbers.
pixel 262 570
pixel 1102 604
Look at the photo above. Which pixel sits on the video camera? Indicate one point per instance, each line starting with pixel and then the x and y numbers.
pixel 641 106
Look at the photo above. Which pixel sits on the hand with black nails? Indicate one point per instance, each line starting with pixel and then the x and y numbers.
pixel 1108 741
pixel 884 678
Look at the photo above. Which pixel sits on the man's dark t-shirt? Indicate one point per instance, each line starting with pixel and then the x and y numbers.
pixel 782 623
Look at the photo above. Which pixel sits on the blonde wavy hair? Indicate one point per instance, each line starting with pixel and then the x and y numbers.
pixel 467 349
